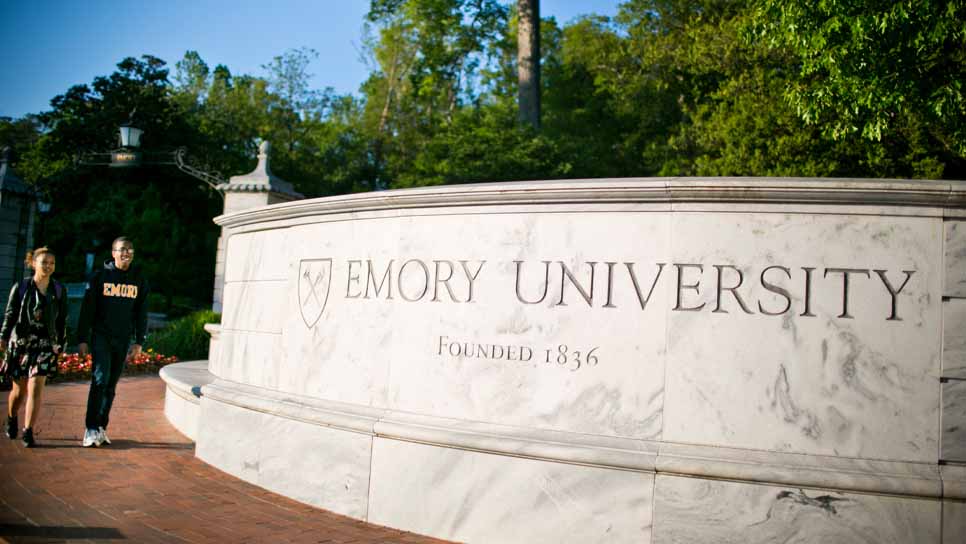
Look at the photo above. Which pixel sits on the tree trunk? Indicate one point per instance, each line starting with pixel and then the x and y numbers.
pixel 528 61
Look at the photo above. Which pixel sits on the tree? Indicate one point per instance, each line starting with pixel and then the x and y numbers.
pixel 487 144
pixel 716 94
pixel 192 78
pixel 613 106
pixel 528 61
pixel 313 145
pixel 295 102
pixel 19 134
pixel 426 65
pixel 161 209
pixel 875 68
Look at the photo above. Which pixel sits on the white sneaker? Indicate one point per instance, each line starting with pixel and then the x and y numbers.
pixel 102 436
pixel 90 438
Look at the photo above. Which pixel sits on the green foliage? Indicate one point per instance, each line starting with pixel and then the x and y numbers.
pixel 667 87
pixel 315 135
pixel 870 67
pixel 461 152
pixel 735 116
pixel 426 63
pixel 186 337
pixel 19 134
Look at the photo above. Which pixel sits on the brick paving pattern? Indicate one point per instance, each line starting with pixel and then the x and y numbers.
pixel 147 486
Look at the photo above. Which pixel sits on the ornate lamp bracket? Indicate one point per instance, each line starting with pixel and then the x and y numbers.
pixel 212 179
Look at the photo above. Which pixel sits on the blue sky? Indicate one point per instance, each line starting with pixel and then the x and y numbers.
pixel 50 45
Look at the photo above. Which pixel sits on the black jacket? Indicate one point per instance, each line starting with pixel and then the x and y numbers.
pixel 115 304
pixel 16 318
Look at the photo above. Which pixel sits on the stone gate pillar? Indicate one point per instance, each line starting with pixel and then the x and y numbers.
pixel 18 205
pixel 252 190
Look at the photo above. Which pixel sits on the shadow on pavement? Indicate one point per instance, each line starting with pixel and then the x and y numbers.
pixel 121 444
pixel 63 533
pixel 116 444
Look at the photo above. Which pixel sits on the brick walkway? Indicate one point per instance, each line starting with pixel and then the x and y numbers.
pixel 147 486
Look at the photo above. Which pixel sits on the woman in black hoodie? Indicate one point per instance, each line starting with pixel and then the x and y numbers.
pixel 36 318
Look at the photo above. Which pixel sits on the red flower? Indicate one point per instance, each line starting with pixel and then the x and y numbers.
pixel 73 366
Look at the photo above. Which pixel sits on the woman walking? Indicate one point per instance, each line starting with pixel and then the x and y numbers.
pixel 36 318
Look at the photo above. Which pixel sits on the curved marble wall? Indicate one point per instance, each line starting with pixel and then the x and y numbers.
pixel 628 360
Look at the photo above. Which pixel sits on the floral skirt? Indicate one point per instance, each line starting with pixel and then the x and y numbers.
pixel 31 356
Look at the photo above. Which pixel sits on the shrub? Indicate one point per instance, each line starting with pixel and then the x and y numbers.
pixel 185 338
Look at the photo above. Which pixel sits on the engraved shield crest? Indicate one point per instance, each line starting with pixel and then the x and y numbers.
pixel 315 276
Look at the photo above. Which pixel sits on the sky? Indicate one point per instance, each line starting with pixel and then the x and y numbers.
pixel 49 45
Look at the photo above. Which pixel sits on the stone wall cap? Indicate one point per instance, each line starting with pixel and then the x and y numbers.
pixel 942 194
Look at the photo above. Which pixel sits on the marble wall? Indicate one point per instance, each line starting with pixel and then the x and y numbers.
pixel 314 464
pixel 614 348
pixel 799 383
pixel 470 496
pixel 691 370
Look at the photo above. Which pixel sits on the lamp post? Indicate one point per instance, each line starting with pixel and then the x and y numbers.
pixel 130 155
pixel 43 207
pixel 256 188
pixel 130 136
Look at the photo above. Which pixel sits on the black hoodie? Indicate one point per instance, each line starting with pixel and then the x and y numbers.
pixel 115 302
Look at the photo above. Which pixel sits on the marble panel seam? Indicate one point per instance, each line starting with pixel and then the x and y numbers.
pixel 324 413
pixel 246 331
pixel 530 449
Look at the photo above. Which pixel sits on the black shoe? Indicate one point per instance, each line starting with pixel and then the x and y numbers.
pixel 12 428
pixel 28 438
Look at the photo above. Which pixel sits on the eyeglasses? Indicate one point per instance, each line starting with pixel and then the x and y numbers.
pixel 124 250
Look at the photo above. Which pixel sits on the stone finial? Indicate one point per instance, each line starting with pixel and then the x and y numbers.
pixel 261 178
pixel 262 169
